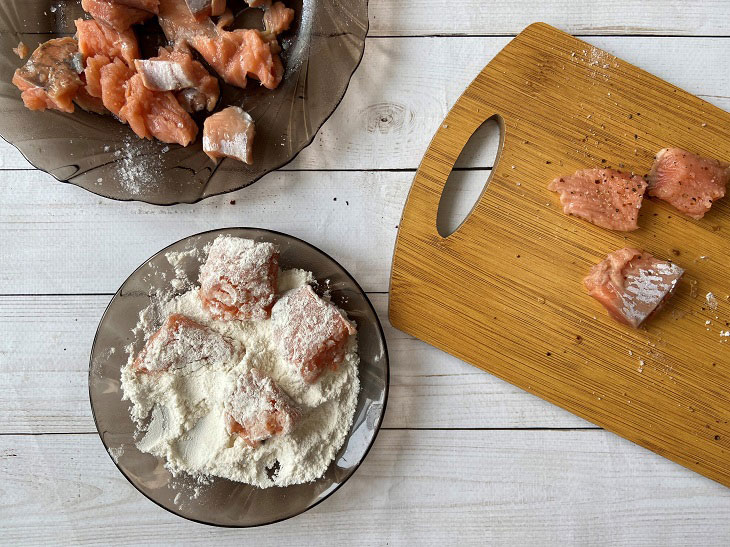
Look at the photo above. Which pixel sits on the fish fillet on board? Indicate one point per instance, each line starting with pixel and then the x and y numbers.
pixel 632 284
pixel 688 182
pixel 605 197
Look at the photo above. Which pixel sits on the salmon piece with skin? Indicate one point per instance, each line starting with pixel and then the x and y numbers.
pixel 632 285
pixel 605 197
pixel 99 39
pixel 278 18
pixel 259 409
pixel 50 78
pixel 688 182
pixel 311 333
pixel 156 114
pixel 117 16
pixel 176 70
pixel 182 342
pixel 229 134
pixel 234 55
pixel 239 278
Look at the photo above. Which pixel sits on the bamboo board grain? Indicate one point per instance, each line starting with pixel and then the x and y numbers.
pixel 504 292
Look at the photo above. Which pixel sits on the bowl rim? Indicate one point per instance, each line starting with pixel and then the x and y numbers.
pixel 378 426
pixel 249 182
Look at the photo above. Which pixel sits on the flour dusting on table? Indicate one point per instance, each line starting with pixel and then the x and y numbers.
pixel 180 413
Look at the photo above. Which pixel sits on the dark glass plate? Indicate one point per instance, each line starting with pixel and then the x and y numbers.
pixel 224 502
pixel 322 50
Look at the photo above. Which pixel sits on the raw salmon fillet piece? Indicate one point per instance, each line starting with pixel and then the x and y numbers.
pixel 312 334
pixel 99 39
pixel 234 55
pixel 688 182
pixel 156 114
pixel 229 133
pixel 92 73
pixel 182 342
pixel 606 197
pixel 278 18
pixel 50 78
pixel 632 284
pixel 239 278
pixel 176 70
pixel 113 80
pixel 117 16
pixel 259 409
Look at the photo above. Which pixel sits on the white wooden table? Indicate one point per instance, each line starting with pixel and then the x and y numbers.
pixel 463 457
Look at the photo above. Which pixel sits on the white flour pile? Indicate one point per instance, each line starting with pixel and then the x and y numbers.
pixel 180 412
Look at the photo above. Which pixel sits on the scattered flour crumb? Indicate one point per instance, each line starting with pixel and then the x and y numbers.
pixel 711 301
pixel 116 453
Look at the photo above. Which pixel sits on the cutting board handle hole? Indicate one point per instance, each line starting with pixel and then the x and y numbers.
pixel 466 182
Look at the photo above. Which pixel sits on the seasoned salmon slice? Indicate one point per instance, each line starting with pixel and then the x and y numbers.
pixel 312 333
pixel 176 70
pixel 239 278
pixel 182 342
pixel 50 78
pixel 688 182
pixel 147 5
pixel 99 39
pixel 156 114
pixel 117 16
pixel 632 284
pixel 259 409
pixel 606 197
pixel 234 55
pixel 229 134
pixel 278 18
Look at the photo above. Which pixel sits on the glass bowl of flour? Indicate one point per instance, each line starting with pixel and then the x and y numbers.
pixel 167 455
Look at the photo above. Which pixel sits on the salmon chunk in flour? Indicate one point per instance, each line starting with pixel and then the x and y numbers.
pixel 632 284
pixel 688 182
pixel 259 409
pixel 182 342
pixel 239 278
pixel 605 197
pixel 312 333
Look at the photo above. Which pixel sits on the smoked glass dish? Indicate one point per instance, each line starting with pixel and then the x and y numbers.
pixel 321 52
pixel 223 502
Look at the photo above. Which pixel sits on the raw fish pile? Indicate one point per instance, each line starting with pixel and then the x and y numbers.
pixel 101 70
pixel 632 285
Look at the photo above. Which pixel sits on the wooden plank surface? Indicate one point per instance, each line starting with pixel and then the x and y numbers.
pixel 395 102
pixel 428 388
pixel 415 488
pixel 671 17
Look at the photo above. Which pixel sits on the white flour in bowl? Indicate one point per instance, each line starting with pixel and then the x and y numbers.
pixel 180 413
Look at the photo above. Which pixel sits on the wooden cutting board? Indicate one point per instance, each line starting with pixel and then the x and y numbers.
pixel 504 292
